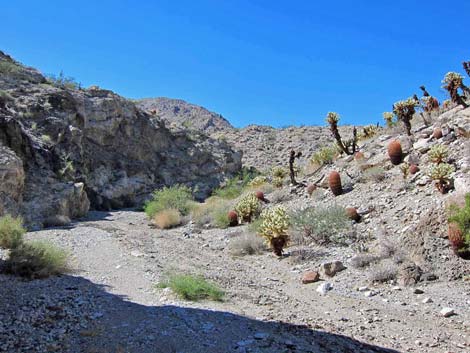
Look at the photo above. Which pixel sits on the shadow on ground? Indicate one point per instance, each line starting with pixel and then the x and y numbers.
pixel 117 325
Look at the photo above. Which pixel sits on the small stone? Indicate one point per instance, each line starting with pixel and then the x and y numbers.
pixel 261 335
pixel 324 288
pixel 136 253
pixel 310 277
pixel 363 289
pixel 447 312
pixel 418 291
pixel 370 293
pixel 331 268
pixel 427 300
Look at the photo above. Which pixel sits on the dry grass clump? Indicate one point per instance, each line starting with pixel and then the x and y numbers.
pixel 246 244
pixel 11 232
pixel 167 218
pixel 383 272
pixel 212 212
pixel 375 174
pixel 192 287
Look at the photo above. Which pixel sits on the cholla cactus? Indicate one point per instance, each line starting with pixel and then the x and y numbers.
pixel 438 153
pixel 466 67
pixel 279 172
pixel 441 173
pixel 388 117
pixel 274 226
pixel 368 131
pixel 405 169
pixel 452 82
pixel 348 147
pixel 430 104
pixel 248 207
pixel 404 110
pixel 258 181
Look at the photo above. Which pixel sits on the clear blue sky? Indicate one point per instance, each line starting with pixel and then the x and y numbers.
pixel 259 61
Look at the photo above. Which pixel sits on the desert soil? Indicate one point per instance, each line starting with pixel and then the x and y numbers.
pixel 266 307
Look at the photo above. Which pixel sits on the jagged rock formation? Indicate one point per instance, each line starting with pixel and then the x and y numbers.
pixel 65 149
pixel 261 146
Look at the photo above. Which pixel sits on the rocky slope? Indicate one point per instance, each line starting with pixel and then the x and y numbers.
pixel 261 146
pixel 65 149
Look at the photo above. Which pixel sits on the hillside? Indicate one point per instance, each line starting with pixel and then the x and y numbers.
pixel 261 146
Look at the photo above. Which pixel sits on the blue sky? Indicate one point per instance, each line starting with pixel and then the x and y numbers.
pixel 265 62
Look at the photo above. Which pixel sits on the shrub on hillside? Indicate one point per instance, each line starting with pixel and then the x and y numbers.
pixel 167 218
pixel 325 155
pixel 322 225
pixel 176 197
pixel 213 212
pixel 11 232
pixel 37 259
pixel 246 244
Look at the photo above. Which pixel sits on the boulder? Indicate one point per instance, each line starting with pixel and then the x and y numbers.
pixel 331 268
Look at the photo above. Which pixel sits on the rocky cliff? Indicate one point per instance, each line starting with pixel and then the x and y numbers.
pixel 64 149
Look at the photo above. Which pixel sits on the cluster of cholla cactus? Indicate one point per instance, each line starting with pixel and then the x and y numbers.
pixel 388 117
pixel 438 154
pixel 278 175
pixel 459 229
pixel 258 181
pixel 404 110
pixel 452 82
pixel 442 175
pixel 429 102
pixel 349 146
pixel 248 208
pixel 369 131
pixel 274 227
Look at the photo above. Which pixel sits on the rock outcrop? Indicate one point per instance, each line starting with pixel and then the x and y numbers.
pixel 65 149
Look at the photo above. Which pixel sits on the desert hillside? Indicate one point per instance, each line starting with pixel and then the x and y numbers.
pixel 361 243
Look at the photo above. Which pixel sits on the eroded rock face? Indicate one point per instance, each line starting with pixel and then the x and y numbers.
pixel 92 148
pixel 11 181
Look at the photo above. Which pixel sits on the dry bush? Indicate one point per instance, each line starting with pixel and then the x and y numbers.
pixel 375 174
pixel 247 244
pixel 383 271
pixel 363 260
pixel 167 218
pixel 212 212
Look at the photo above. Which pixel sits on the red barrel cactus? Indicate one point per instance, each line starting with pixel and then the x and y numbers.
pixel 437 133
pixel 334 181
pixel 414 169
pixel 395 152
pixel 311 188
pixel 233 218
pixel 260 195
pixel 352 214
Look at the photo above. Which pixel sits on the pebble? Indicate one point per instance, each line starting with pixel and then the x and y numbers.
pixel 447 312
pixel 427 300
pixel 324 288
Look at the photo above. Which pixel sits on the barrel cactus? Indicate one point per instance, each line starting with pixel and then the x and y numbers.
pixel 334 181
pixel 395 152
pixel 248 208
pixel 437 133
pixel 274 227
pixel 352 214
pixel 232 218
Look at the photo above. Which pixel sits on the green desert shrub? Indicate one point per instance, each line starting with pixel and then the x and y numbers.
pixel 5 98
pixel 37 259
pixel 322 225
pixel 375 174
pixel 325 155
pixel 192 287
pixel 461 217
pixel 176 197
pixel 235 186
pixel 11 232
pixel 260 180
pixel 63 81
